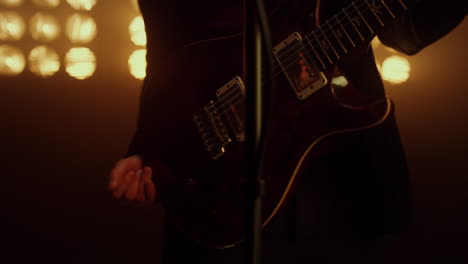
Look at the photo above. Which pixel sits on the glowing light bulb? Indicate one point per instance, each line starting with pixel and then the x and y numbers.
pixel 43 61
pixel 395 69
pixel 12 61
pixel 80 63
pixel 44 27
pixel 137 64
pixel 47 3
pixel 11 3
pixel 84 5
pixel 81 29
pixel 12 26
pixel 137 31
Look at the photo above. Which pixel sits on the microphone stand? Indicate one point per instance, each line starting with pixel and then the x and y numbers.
pixel 252 54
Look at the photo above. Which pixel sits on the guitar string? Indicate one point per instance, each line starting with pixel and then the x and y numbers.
pixel 278 65
pixel 235 94
pixel 222 101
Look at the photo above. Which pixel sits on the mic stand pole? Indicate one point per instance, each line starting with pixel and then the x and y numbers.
pixel 252 42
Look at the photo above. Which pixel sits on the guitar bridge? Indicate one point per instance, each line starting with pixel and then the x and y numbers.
pixel 221 120
pixel 303 75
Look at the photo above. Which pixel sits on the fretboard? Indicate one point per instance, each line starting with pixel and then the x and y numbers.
pixel 353 26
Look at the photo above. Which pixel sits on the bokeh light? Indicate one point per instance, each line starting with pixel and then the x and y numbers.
pixel 44 27
pixel 43 61
pixel 11 3
pixel 84 5
pixel 137 64
pixel 395 69
pixel 81 29
pixel 12 61
pixel 47 3
pixel 12 26
pixel 80 63
pixel 137 31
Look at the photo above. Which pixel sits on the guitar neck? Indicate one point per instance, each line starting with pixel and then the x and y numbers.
pixel 353 26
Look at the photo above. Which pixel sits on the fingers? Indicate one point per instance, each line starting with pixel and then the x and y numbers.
pixel 133 186
pixel 149 186
pixel 121 169
pixel 125 183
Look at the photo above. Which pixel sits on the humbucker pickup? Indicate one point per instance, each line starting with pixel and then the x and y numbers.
pixel 302 73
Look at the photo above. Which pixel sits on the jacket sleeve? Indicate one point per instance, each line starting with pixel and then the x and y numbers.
pixel 164 45
pixel 423 24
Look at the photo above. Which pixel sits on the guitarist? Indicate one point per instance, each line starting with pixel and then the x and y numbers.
pixel 362 191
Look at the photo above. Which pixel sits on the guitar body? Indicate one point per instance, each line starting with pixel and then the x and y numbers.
pixel 203 196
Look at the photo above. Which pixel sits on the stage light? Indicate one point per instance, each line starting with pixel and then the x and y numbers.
pixel 12 61
pixel 80 63
pixel 85 5
pixel 137 64
pixel 11 3
pixel 395 69
pixel 44 27
pixel 12 26
pixel 137 31
pixel 43 61
pixel 47 3
pixel 81 29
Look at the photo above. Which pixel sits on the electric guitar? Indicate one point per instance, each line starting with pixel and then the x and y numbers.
pixel 202 191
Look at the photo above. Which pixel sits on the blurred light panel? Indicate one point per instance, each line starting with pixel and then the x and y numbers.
pixel 46 3
pixel 137 64
pixel 11 3
pixel 12 26
pixel 43 61
pixel 81 29
pixel 44 27
pixel 85 5
pixel 80 63
pixel 395 69
pixel 12 61
pixel 137 31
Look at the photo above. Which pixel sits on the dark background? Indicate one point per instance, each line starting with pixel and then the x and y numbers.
pixel 60 137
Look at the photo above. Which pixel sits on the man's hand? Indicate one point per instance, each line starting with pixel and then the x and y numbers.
pixel 130 181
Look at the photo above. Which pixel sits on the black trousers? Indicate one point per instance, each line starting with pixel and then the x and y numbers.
pixel 344 206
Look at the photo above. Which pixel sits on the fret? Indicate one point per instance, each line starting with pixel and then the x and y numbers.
pixel 316 54
pixel 324 51
pixel 329 43
pixel 346 33
pixel 336 37
pixel 403 4
pixel 388 9
pixel 375 13
pixel 357 30
pixel 363 19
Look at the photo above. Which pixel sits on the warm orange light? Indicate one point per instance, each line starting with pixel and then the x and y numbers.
pixel 47 3
pixel 12 26
pixel 81 29
pixel 137 64
pixel 137 31
pixel 135 5
pixel 375 43
pixel 43 61
pixel 84 5
pixel 395 69
pixel 44 27
pixel 11 3
pixel 80 63
pixel 12 60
